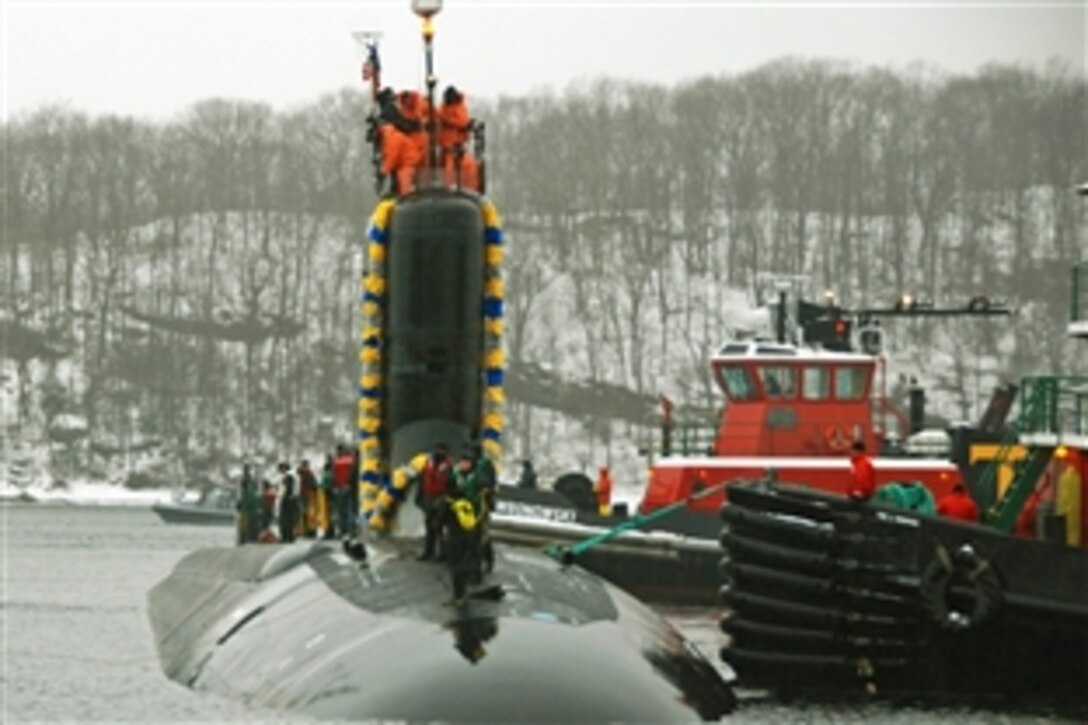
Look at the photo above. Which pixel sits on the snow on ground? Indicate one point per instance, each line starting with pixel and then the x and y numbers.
pixel 83 493
pixel 25 476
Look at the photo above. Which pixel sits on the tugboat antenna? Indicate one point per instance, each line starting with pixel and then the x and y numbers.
pixel 782 284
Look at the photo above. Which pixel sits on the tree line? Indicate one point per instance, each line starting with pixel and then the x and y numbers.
pixel 201 276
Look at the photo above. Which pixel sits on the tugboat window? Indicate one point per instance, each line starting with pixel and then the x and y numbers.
pixel 737 383
pixel 778 382
pixel 849 383
pixel 816 383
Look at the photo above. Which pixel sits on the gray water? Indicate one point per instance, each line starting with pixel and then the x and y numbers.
pixel 76 645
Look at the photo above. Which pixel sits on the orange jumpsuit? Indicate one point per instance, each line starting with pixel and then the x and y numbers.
pixel 453 129
pixel 413 108
pixel 400 156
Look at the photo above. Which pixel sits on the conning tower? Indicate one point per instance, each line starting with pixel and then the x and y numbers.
pixel 432 297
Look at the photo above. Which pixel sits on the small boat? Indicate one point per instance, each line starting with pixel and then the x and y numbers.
pixel 215 506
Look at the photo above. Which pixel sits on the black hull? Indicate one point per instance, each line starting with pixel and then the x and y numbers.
pixel 655 568
pixel 304 627
pixel 828 595
pixel 554 506
pixel 180 513
pixel 671 560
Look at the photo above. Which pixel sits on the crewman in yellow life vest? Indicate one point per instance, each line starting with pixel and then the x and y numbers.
pixel 463 526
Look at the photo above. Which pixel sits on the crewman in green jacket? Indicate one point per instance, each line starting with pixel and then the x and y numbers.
pixel 487 481
pixel 463 526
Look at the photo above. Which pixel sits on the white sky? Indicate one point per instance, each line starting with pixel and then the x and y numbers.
pixel 154 59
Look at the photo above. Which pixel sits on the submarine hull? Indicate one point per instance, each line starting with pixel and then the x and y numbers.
pixel 304 627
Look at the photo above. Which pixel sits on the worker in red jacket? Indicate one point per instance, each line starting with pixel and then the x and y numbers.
pixel 862 474
pixel 603 489
pixel 433 487
pixel 958 505
pixel 343 473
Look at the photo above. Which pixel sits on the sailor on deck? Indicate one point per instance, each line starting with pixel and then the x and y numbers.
pixel 249 507
pixel 488 480
pixel 958 504
pixel 342 474
pixel 432 494
pixel 401 142
pixel 307 488
pixel 459 166
pixel 603 489
pixel 288 503
pixel 464 525
pixel 528 475
pixel 321 499
pixel 862 474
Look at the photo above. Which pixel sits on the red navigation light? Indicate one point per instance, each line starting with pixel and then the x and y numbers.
pixel 840 328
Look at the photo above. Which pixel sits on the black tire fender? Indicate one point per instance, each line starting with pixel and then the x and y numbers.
pixel 963 569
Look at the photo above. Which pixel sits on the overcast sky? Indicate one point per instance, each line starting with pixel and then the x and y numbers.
pixel 154 59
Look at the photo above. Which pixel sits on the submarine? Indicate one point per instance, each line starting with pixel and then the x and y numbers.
pixel 304 627
pixel 362 630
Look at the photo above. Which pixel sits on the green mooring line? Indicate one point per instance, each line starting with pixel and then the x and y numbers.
pixel 567 554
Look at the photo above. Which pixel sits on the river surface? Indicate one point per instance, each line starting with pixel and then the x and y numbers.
pixel 76 645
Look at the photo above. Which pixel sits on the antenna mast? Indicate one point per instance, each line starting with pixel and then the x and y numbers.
pixel 427 9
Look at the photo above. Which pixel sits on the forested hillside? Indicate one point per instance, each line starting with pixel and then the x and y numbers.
pixel 192 287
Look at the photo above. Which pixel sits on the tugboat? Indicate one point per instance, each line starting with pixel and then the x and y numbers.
pixel 364 630
pixel 796 409
pixel 829 595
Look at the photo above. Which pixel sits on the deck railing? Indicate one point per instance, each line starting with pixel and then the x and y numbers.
pixel 1053 404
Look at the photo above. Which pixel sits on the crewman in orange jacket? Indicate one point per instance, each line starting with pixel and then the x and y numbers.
pixel 402 147
pixel 603 489
pixel 459 166
pixel 413 109
pixel 400 157
pixel 958 505
pixel 862 474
